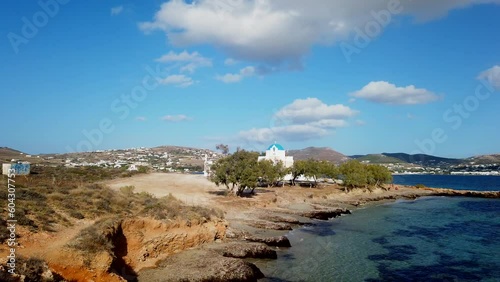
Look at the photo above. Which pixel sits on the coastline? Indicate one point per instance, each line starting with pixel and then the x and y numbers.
pixel 272 213
pixel 246 231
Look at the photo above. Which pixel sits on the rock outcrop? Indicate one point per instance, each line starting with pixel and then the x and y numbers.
pixel 247 250
pixel 263 224
pixel 280 241
pixel 201 265
pixel 325 214
pixel 464 193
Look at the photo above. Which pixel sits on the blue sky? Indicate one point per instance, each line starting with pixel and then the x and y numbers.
pixel 383 76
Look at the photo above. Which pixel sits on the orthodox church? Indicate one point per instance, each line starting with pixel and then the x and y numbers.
pixel 276 153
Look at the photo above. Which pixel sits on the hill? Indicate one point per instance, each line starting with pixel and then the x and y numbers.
pixel 425 160
pixel 378 159
pixel 484 159
pixel 7 153
pixel 321 154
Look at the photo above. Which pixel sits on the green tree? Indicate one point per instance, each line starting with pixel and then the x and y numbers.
pixel 223 148
pixel 328 170
pixel 298 169
pixel 271 173
pixel 379 175
pixel 354 174
pixel 239 170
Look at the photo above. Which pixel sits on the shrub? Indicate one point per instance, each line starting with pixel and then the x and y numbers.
pixel 127 190
pixel 420 186
pixel 93 239
pixel 76 214
pixel 31 268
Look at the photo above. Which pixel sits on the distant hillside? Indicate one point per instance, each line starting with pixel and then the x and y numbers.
pixel 484 159
pixel 378 159
pixel 425 160
pixel 417 159
pixel 322 154
pixel 7 153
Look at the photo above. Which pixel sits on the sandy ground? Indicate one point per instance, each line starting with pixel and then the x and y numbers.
pixel 192 189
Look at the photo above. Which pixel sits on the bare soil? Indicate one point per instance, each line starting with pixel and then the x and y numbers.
pixel 192 189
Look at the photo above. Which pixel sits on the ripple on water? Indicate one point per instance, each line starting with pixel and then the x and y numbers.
pixel 433 239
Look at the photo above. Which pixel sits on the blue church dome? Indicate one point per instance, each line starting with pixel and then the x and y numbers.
pixel 278 147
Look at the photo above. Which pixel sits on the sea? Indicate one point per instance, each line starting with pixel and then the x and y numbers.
pixel 428 239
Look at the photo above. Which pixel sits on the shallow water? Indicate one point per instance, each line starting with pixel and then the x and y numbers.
pixel 430 239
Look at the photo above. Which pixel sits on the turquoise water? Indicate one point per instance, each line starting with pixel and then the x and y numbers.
pixel 458 182
pixel 429 239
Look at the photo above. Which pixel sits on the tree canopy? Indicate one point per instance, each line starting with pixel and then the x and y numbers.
pixel 356 174
pixel 224 149
pixel 242 170
pixel 239 170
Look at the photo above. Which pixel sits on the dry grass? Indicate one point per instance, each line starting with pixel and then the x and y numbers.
pixel 54 197
pixel 31 268
pixel 97 238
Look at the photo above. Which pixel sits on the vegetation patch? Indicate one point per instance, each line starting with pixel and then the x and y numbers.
pixel 52 197
pixel 242 170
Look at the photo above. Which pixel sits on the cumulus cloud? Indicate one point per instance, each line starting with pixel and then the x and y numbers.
pixel 492 75
pixel 280 31
pixel 313 109
pixel 116 10
pixel 141 119
pixel 190 61
pixel 387 93
pixel 178 80
pixel 176 118
pixel 230 62
pixel 237 77
pixel 288 133
pixel 303 119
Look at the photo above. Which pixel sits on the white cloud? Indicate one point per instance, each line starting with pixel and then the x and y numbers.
pixel 230 62
pixel 303 119
pixel 297 132
pixel 279 31
pixel 387 93
pixel 328 123
pixel 492 75
pixel 192 61
pixel 313 109
pixel 230 78
pixel 178 80
pixel 116 10
pixel 237 77
pixel 176 118
pixel 141 119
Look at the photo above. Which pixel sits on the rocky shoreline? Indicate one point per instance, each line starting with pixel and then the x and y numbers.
pixel 265 233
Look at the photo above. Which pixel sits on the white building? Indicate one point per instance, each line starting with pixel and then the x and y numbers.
pixel 277 153
pixel 207 164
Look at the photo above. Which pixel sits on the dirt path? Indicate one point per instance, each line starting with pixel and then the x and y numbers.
pixel 193 189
